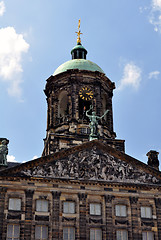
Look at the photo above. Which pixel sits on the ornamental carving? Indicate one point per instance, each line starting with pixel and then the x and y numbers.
pixel 92 165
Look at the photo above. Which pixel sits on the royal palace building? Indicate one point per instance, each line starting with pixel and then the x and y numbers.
pixel 84 186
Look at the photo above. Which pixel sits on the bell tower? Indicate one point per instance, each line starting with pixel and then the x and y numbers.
pixel 73 87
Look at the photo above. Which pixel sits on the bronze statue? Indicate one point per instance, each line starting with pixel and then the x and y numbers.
pixel 3 152
pixel 94 123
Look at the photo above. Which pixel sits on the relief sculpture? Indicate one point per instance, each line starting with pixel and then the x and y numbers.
pixel 92 166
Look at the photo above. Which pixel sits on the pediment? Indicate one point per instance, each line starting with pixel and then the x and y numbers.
pixel 94 161
pixel 93 164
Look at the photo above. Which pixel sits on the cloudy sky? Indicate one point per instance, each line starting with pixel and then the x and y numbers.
pixel 123 37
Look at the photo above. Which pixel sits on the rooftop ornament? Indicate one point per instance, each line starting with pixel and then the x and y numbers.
pixel 3 152
pixel 79 33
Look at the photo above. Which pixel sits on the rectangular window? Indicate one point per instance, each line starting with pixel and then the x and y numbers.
pixel 95 208
pixel 15 204
pixel 120 210
pixel 148 236
pixel 41 205
pixel 41 232
pixel 121 235
pixel 13 232
pixel 85 131
pixel 68 233
pixel 95 234
pixel 68 207
pixel 146 212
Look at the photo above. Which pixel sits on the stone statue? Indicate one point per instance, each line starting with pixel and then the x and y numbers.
pixel 94 123
pixel 3 152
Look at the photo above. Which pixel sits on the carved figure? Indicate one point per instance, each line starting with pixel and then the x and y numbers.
pixel 93 166
pixel 94 123
pixel 3 152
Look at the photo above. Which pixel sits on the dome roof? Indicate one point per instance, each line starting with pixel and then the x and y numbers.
pixel 81 64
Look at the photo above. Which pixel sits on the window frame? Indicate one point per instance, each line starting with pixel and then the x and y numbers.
pixel 147 235
pixel 144 214
pixel 96 230
pixel 69 202
pixel 119 210
pixel 91 212
pixel 14 199
pixel 69 232
pixel 122 236
pixel 13 231
pixel 41 227
pixel 37 207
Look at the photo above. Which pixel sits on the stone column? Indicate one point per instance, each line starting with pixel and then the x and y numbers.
pixel 3 227
pixel 28 215
pixel 109 221
pixel 55 215
pixel 82 216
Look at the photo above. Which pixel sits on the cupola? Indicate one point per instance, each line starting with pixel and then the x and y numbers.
pixel 79 52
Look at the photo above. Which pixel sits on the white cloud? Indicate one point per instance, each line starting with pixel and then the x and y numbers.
pixel 131 76
pixel 155 15
pixel 11 158
pixel 154 74
pixel 2 8
pixel 34 157
pixel 12 46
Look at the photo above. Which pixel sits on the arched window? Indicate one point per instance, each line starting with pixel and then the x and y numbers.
pixel 63 106
pixel 83 107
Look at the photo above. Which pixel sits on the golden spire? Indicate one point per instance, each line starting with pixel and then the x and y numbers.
pixel 79 33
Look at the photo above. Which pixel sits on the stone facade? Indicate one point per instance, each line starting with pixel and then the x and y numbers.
pixel 63 177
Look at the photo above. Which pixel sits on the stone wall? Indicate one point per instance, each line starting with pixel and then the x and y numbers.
pixel 82 194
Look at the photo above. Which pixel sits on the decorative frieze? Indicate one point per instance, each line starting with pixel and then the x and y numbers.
pixel 92 165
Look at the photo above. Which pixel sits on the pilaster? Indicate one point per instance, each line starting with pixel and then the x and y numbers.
pixel 28 215
pixel 55 215
pixel 109 221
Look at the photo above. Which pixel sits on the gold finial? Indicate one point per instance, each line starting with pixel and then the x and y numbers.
pixel 79 33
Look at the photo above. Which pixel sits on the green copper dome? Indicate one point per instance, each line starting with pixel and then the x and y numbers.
pixel 78 61
pixel 79 47
pixel 81 64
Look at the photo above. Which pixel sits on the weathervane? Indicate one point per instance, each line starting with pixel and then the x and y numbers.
pixel 79 33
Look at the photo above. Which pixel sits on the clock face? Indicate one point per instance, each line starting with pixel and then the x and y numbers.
pixel 86 93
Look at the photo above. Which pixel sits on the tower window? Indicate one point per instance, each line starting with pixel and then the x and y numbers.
pixel 83 107
pixel 63 106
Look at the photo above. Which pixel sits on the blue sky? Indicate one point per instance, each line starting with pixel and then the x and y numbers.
pixel 123 37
